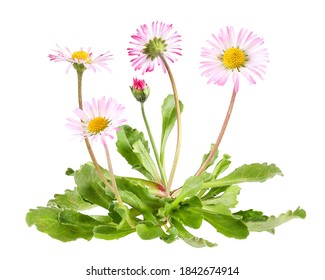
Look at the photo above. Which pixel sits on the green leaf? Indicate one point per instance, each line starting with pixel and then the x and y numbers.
pixel 217 209
pixel 251 215
pixel 132 200
pixel 226 225
pixel 227 199
pixel 255 172
pixel 149 217
pixel 148 201
pixel 171 235
pixel 111 233
pixel 186 217
pixel 46 220
pixel 146 160
pixel 70 199
pixel 90 186
pixel 126 137
pixel 213 192
pixel 189 238
pixel 148 231
pixel 272 222
pixel 190 188
pixel 73 218
pixel 221 166
pixel 205 156
pixel 69 171
pixel 169 117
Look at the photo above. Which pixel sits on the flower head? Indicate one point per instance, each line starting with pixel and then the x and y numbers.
pixel 151 43
pixel 81 59
pixel 97 119
pixel 234 55
pixel 140 90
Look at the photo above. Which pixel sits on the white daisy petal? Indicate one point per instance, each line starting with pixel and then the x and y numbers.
pixel 99 118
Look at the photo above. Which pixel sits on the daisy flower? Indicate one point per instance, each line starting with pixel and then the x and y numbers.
pixel 234 55
pixel 98 119
pixel 81 59
pixel 151 43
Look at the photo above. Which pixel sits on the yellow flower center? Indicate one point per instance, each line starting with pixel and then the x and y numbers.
pixel 97 125
pixel 81 56
pixel 233 58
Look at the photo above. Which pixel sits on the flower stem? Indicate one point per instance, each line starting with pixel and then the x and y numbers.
pixel 179 126
pixel 111 174
pixel 94 160
pixel 161 170
pixel 79 73
pixel 90 150
pixel 221 133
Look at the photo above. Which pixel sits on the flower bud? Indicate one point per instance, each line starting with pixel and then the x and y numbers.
pixel 140 90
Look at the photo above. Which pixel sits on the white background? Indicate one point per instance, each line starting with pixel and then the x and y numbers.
pixel 280 120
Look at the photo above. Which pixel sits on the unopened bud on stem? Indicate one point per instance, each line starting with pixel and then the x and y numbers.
pixel 140 90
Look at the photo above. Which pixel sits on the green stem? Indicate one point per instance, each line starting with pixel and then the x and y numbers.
pixel 221 133
pixel 179 126
pixel 92 155
pixel 162 157
pixel 115 189
pixel 161 170
pixel 90 150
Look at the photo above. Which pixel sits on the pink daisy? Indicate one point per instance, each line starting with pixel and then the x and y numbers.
pixel 97 119
pixel 81 59
pixel 234 55
pixel 151 43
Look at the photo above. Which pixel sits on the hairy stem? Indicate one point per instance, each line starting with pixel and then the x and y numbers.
pixel 221 133
pixel 93 158
pixel 179 127
pixel 111 174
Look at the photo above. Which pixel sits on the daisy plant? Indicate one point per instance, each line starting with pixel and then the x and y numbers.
pixel 150 204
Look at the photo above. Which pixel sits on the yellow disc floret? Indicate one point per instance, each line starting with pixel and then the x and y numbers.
pixel 81 56
pixel 233 58
pixel 97 125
